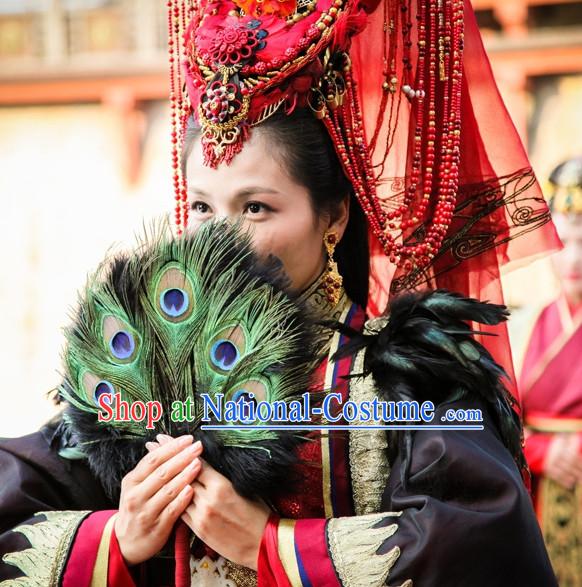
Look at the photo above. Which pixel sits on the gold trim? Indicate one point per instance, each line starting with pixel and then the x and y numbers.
pixel 50 541
pixel 561 523
pixel 239 575
pixel 101 568
pixel 549 424
pixel 369 465
pixel 325 437
pixel 354 544
pixel 315 298
pixel 286 547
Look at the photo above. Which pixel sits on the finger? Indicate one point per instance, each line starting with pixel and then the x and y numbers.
pixel 187 519
pixel 164 438
pixel 562 470
pixel 576 467
pixel 168 492
pixel 564 478
pixel 209 476
pixel 152 446
pixel 153 460
pixel 176 507
pixel 168 470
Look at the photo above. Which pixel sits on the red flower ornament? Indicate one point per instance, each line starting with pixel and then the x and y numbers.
pixel 233 43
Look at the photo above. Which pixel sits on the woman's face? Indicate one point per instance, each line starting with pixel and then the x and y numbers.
pixel 277 210
pixel 568 262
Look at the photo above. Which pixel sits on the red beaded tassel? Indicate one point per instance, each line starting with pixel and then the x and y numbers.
pixel 179 13
pixel 430 196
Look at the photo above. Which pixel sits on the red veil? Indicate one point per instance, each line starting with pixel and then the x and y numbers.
pixel 406 91
pixel 499 198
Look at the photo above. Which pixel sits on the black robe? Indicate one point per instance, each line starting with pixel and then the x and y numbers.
pixel 460 482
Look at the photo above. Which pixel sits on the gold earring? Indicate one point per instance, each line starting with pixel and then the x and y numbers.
pixel 332 283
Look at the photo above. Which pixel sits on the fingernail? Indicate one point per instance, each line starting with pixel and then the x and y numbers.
pixel 198 444
pixel 150 445
pixel 163 438
pixel 192 449
pixel 194 464
pixel 185 440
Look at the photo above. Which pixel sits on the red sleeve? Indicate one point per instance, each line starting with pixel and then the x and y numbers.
pixel 270 571
pixel 536 450
pixel 294 553
pixel 83 554
pixel 118 574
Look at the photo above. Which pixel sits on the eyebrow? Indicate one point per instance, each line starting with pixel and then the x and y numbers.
pixel 241 194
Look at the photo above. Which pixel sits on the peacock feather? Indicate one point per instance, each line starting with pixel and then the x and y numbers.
pixel 179 317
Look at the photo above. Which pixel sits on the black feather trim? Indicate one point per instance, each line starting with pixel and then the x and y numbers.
pixel 426 352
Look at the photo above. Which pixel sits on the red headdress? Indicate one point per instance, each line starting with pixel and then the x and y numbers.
pixel 406 92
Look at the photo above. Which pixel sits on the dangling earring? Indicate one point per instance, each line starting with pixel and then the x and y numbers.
pixel 332 283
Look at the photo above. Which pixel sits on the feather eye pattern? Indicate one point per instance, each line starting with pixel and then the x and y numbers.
pixel 176 318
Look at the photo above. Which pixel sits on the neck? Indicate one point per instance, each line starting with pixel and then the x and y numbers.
pixel 316 298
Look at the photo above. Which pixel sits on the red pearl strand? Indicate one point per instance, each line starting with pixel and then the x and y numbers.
pixel 430 195
pixel 180 12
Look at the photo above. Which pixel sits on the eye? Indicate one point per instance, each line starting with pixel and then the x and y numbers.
pixel 120 339
pixel 254 208
pixel 224 354
pixel 122 344
pixel 200 207
pixel 174 302
pixel 102 388
pixel 174 295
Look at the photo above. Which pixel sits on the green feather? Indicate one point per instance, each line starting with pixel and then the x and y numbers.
pixel 232 303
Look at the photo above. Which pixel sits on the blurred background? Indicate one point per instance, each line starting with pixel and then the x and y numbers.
pixel 85 152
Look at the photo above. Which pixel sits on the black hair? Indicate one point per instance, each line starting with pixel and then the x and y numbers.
pixel 308 153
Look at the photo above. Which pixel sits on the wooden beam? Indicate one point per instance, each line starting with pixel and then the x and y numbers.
pixel 490 4
pixel 142 87
pixel 542 61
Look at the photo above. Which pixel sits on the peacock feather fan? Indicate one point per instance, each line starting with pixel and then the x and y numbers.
pixel 179 317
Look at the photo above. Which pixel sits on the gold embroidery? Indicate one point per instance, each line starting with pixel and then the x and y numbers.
pixel 353 544
pixel 561 522
pixel 210 573
pixel 221 572
pixel 50 540
pixel 241 576
pixel 369 465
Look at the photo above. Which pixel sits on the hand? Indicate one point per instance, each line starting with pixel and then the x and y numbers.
pixel 563 463
pixel 153 497
pixel 230 524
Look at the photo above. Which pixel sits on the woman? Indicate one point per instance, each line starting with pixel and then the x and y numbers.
pixel 305 186
pixel 550 388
